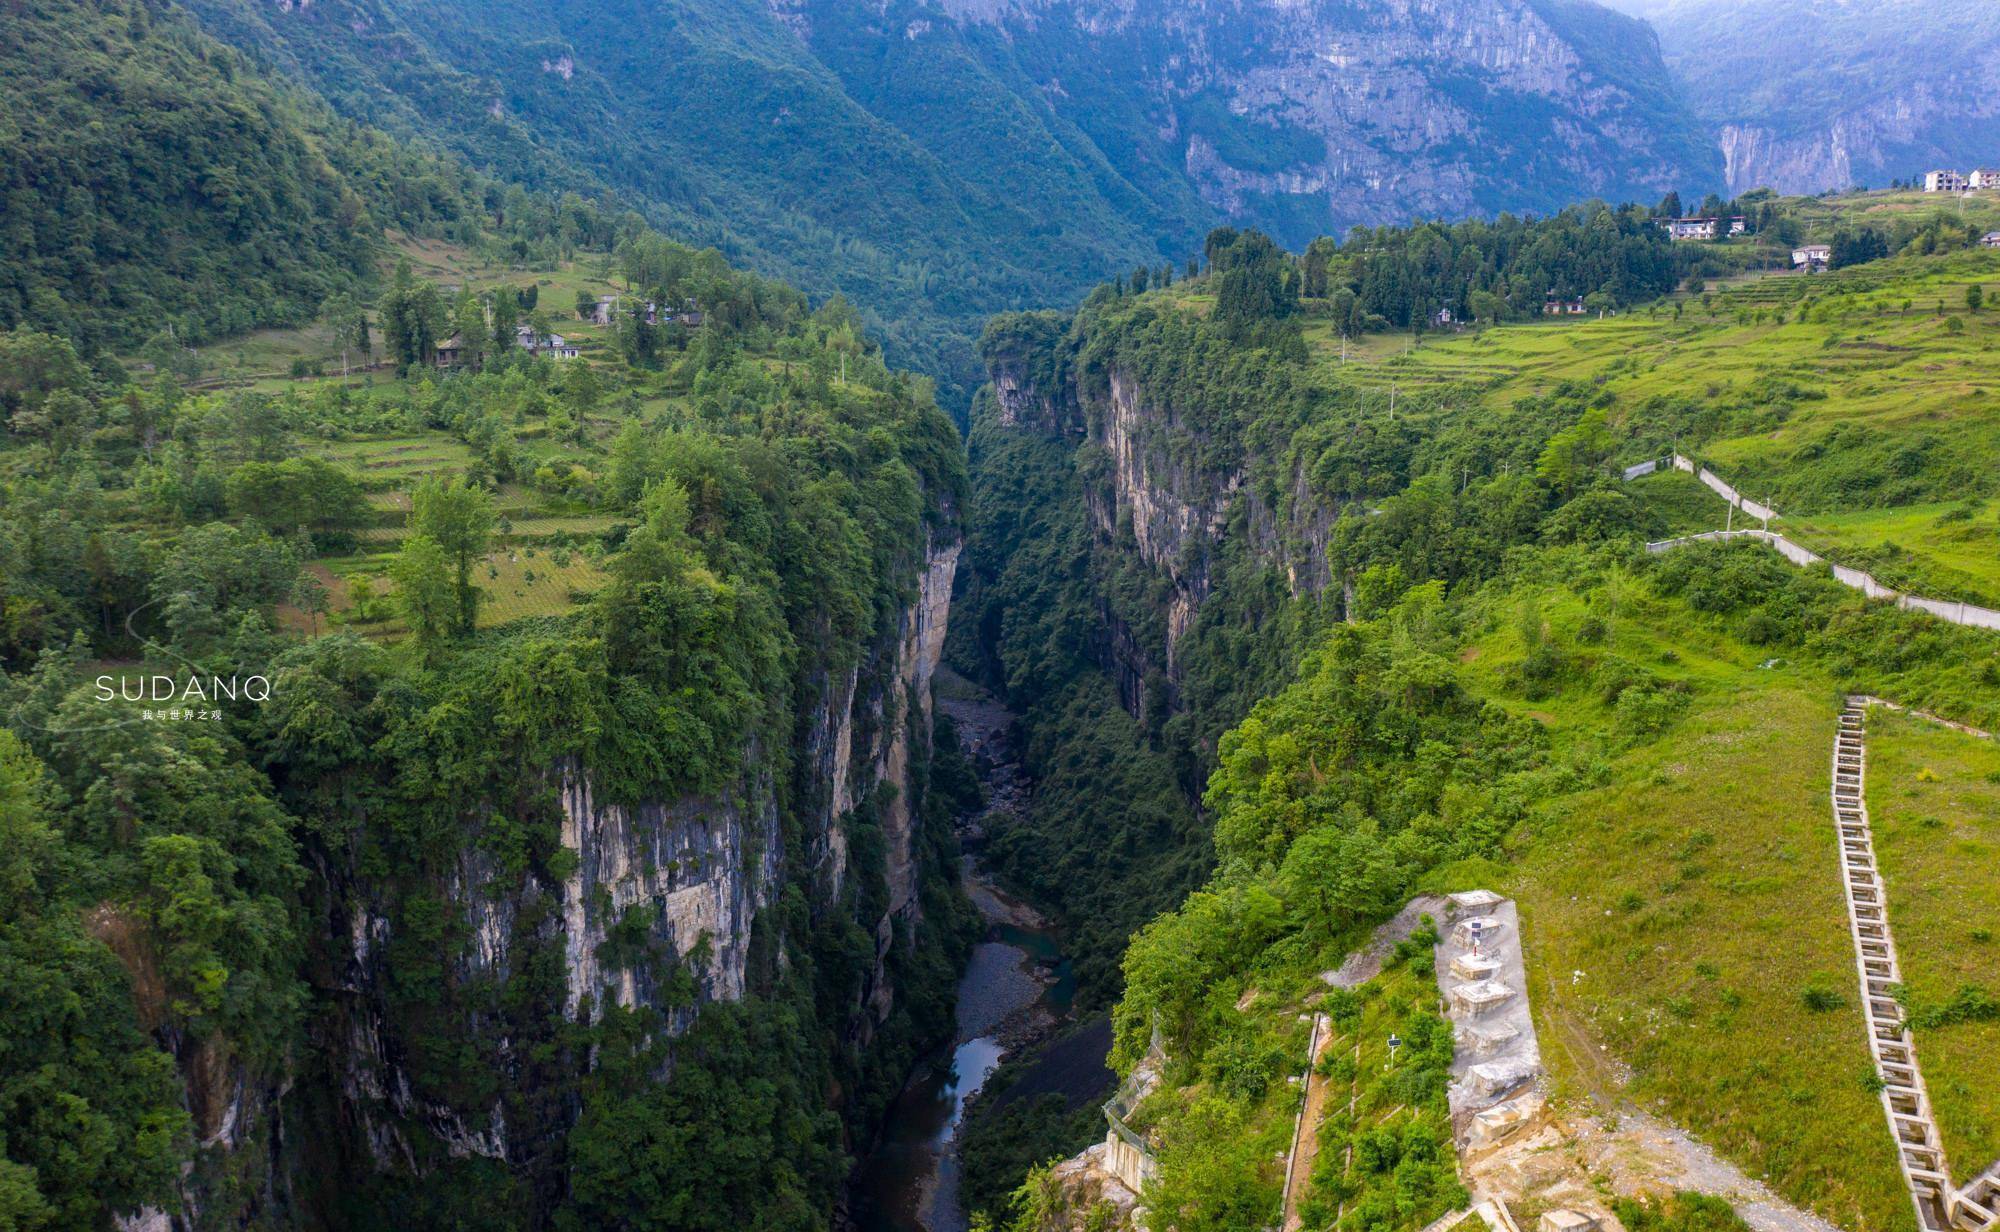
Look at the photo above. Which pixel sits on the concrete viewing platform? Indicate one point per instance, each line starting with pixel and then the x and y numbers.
pixel 1480 973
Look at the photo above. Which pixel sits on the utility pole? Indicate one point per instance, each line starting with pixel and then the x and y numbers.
pixel 1392 402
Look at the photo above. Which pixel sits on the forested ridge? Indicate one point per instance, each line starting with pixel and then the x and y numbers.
pixel 380 938
pixel 162 192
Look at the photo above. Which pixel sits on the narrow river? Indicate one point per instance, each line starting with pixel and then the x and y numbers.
pixel 1015 981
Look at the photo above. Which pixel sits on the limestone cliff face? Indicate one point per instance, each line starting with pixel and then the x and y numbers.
pixel 1315 115
pixel 1807 95
pixel 654 906
pixel 1173 509
pixel 693 873
pixel 1895 136
pixel 1148 492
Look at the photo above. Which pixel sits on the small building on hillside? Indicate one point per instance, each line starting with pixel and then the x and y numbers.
pixel 1703 227
pixel 1443 319
pixel 1943 182
pixel 451 353
pixel 553 346
pixel 1811 257
pixel 687 313
pixel 1983 177
pixel 1990 240
pixel 1563 307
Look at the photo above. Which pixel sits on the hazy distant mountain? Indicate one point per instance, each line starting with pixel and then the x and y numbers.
pixel 1804 95
pixel 940 161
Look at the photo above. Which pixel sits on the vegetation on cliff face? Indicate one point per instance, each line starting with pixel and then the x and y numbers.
pixel 1490 683
pixel 755 497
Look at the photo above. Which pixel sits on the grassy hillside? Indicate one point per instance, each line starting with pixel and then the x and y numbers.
pixel 1861 404
pixel 1678 904
pixel 1501 687
pixel 1934 802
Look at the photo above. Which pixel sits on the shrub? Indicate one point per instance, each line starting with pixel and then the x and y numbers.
pixel 1821 998
pixel 1644 710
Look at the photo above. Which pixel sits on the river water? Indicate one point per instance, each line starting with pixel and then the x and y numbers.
pixel 1015 984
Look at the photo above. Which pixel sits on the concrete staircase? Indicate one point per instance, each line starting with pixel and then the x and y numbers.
pixel 1904 1099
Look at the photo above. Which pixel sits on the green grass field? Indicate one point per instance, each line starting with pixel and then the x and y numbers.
pixel 1864 403
pixel 1934 804
pixel 524 528
pixel 1679 901
pixel 515 583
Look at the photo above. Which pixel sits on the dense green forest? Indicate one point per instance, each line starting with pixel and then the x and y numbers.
pixel 750 503
pixel 162 192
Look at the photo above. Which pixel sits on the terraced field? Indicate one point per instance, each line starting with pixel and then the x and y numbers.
pixel 402 460
pixel 515 583
pixel 542 559
pixel 1864 404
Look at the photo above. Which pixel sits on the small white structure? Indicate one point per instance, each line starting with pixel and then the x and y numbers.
pixel 1810 257
pixel 1476 929
pixel 1490 1125
pixel 1563 1220
pixel 1481 901
pixel 1474 967
pixel 554 346
pixel 1704 227
pixel 1990 240
pixel 1499 1077
pixel 1483 1041
pixel 1983 177
pixel 1480 996
pixel 1943 182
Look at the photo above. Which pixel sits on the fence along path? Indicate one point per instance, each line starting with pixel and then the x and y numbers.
pixel 1958 613
pixel 1905 1100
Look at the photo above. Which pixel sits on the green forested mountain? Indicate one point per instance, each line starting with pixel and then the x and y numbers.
pixel 1816 95
pixel 404 775
pixel 154 181
pixel 939 162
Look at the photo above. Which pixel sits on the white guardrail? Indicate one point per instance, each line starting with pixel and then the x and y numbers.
pixel 1958 613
